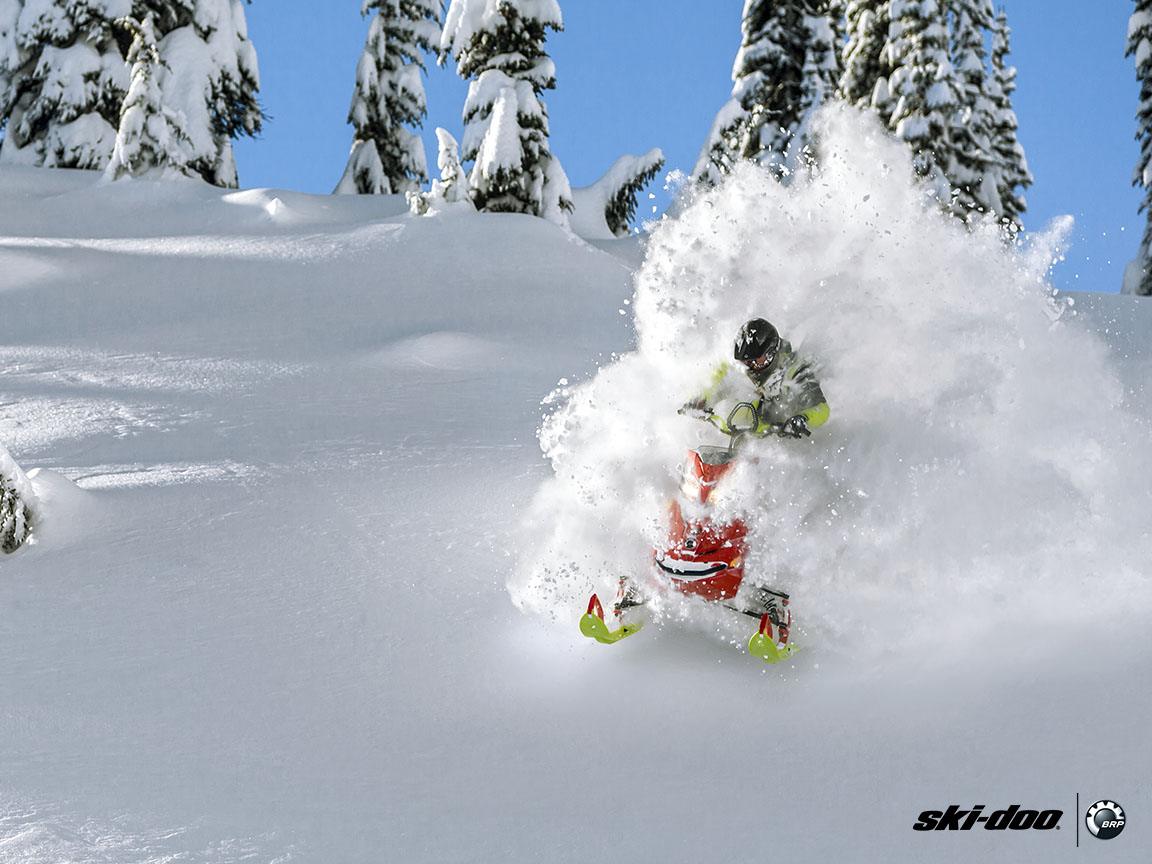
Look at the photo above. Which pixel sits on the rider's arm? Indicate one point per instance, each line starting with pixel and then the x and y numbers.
pixel 806 397
pixel 704 403
pixel 801 406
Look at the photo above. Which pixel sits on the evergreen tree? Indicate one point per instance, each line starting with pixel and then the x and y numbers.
pixel 17 505
pixel 768 78
pixel 923 85
pixel 1010 163
pixel 452 188
pixel 975 178
pixel 865 60
pixel 788 65
pixel 619 188
pixel 499 44
pixel 822 69
pixel 62 79
pixel 213 80
pixel 11 59
pixel 1140 46
pixel 723 146
pixel 387 157
pixel 151 140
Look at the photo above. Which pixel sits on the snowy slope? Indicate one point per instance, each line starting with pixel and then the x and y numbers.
pixel 271 622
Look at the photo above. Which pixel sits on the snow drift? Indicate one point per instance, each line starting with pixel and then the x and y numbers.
pixel 983 466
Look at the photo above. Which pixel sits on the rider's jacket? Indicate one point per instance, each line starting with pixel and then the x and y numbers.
pixel 785 388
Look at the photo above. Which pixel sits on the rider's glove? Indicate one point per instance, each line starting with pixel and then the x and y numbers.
pixel 797 427
pixel 697 409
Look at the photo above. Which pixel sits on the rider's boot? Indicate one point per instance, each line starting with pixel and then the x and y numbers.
pixel 631 606
pixel 760 600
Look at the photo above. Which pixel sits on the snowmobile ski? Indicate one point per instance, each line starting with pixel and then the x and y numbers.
pixel 593 626
pixel 764 645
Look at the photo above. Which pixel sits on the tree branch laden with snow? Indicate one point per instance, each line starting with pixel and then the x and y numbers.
pixel 62 80
pixel 608 207
pixel 622 185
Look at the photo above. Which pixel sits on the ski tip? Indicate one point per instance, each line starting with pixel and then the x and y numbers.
pixel 764 645
pixel 594 607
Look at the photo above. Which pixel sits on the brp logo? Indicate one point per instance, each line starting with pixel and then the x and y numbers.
pixel 1105 819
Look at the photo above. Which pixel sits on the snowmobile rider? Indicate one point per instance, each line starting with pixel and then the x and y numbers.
pixel 782 386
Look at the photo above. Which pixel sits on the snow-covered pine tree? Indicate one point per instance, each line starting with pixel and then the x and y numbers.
pixel 388 157
pixel 787 66
pixel 821 72
pixel 722 148
pixel 213 78
pixel 499 44
pixel 17 504
pixel 151 140
pixel 11 59
pixel 864 81
pixel 623 183
pixel 452 188
pixel 975 179
pixel 1139 277
pixel 769 75
pixel 62 79
pixel 923 84
pixel 1010 162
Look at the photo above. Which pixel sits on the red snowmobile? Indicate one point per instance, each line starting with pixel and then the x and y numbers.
pixel 704 557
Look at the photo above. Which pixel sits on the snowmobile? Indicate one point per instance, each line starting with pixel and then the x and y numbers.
pixel 704 557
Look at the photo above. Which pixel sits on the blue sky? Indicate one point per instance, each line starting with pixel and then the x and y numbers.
pixel 644 73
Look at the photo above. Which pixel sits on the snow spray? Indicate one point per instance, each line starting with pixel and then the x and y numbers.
pixel 983 464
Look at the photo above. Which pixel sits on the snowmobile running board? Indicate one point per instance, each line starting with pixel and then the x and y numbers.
pixel 592 625
pixel 763 644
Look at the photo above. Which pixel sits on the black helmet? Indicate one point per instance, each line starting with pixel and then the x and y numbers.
pixel 756 339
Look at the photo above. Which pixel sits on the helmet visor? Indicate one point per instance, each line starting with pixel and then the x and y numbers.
pixel 758 364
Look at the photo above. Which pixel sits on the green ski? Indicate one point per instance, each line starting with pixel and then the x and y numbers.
pixel 763 644
pixel 593 626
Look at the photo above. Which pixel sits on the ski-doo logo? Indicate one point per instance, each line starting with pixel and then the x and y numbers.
pixel 1009 819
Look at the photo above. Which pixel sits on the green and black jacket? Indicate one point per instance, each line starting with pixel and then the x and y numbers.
pixel 784 389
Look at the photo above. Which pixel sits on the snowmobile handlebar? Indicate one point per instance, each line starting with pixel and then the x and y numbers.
pixel 756 427
pixel 742 421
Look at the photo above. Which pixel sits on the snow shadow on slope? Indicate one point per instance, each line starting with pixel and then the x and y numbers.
pixel 981 469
